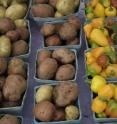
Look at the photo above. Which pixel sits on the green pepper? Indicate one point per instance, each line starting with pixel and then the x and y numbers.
pixel 94 45
pixel 88 10
pixel 101 115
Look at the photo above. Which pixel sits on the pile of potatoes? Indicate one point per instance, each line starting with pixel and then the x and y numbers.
pixel 54 8
pixel 13 84
pixel 58 64
pixel 61 34
pixel 9 119
pixel 14 37
pixel 53 105
pixel 14 9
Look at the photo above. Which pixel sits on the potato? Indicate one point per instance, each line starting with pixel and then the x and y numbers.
pixel 64 55
pixel 44 93
pixel 23 32
pixel 16 11
pixel 6 104
pixel 2 12
pixel 3 65
pixel 5 46
pixel 42 10
pixel 5 3
pixel 48 29
pixel 17 1
pixel 40 1
pixel 17 66
pixel 57 27
pixel 68 95
pixel 20 23
pixel 65 7
pixel 74 21
pixel 0 97
pixel 53 40
pixel 58 14
pixel 47 69
pixel 19 48
pixel 13 35
pixel 53 3
pixel 43 55
pixel 6 24
pixel 14 87
pixel 73 42
pixel 44 111
pixel 65 72
pixel 67 31
pixel 2 82
pixel 114 3
pixel 9 119
pixel 59 114
pixel 71 112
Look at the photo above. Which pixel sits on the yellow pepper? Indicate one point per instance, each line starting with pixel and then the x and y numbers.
pixel 115 94
pixel 110 11
pixel 90 58
pixel 98 106
pixel 106 92
pixel 87 29
pixel 90 15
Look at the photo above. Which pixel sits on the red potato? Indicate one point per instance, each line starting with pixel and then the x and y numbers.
pixel 43 55
pixel 3 65
pixel 53 40
pixel 44 111
pixel 14 87
pixel 65 72
pixel 42 10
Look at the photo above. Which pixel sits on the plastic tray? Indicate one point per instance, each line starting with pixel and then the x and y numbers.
pixel 108 79
pixel 104 120
pixel 55 81
pixel 17 109
pixel 19 117
pixel 78 46
pixel 39 19
pixel 59 122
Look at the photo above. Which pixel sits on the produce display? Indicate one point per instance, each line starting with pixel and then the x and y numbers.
pixel 54 8
pixel 10 119
pixel 104 102
pixel 58 64
pixel 13 84
pixel 14 38
pixel 14 9
pixel 101 61
pixel 62 34
pixel 101 32
pixel 53 105
pixel 101 8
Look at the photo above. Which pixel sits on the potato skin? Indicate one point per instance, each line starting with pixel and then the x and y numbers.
pixel 0 97
pixel 40 1
pixel 42 10
pixel 13 35
pixel 63 55
pixel 44 111
pixel 65 72
pixel 2 82
pixel 9 119
pixel 6 24
pixel 17 66
pixel 47 69
pixel 48 29
pixel 14 87
pixel 53 40
pixel 3 65
pixel 19 48
pixel 68 95
pixel 53 3
pixel 73 42
pixel 10 104
pixel 59 114
pixel 67 31
pixel 75 21
pixel 23 32
pixel 43 55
